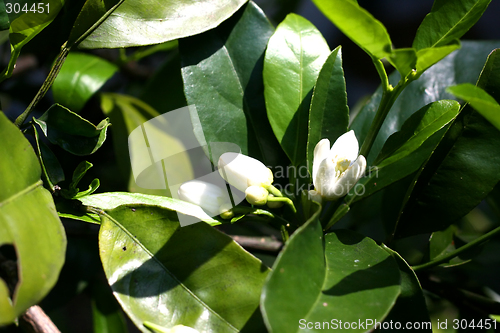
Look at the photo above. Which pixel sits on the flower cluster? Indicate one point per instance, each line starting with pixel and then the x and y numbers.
pixel 335 171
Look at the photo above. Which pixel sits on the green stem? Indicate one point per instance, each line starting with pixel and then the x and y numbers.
pixel 457 252
pixel 379 66
pixel 45 86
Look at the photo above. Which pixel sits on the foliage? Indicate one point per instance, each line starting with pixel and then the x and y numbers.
pixel 406 238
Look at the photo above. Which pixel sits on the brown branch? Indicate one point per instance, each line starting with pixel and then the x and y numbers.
pixel 36 321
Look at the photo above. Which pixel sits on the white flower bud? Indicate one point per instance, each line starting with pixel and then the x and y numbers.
pixel 208 196
pixel 256 195
pixel 243 171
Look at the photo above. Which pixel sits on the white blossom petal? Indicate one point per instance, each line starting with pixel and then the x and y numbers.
pixel 243 171
pixel 346 147
pixel 320 153
pixel 208 196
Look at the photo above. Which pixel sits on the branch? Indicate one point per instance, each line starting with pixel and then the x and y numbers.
pixel 36 321
pixel 258 243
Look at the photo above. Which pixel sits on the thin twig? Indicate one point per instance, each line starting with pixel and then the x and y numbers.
pixel 36 321
pixel 258 243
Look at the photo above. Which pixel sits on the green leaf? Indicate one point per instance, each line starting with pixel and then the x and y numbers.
pixel 106 312
pixel 405 151
pixel 92 14
pixel 24 25
pixel 463 65
pixel 343 276
pixel 194 275
pixel 441 242
pixel 222 78
pixel 480 100
pixel 28 222
pixel 80 77
pixel 359 25
pixel 4 17
pixel 447 21
pixel 52 170
pixel 410 306
pixel 431 55
pixel 133 23
pixel 71 132
pixel 329 113
pixel 74 192
pixel 111 200
pixel 465 170
pixel 404 60
pixel 293 60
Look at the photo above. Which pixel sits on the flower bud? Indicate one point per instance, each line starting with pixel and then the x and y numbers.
pixel 206 195
pixel 226 212
pixel 256 195
pixel 243 171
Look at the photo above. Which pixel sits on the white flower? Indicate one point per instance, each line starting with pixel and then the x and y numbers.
pixel 337 170
pixel 243 171
pixel 256 195
pixel 208 196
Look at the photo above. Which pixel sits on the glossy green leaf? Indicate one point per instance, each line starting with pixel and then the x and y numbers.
pixel 404 60
pixel 25 23
pixel 441 242
pixel 164 91
pixel 168 275
pixel 359 25
pixel 405 151
pixel 74 192
pixel 80 77
pixel 464 171
pixel 28 222
pixel 480 100
pixel 463 65
pixel 429 56
pixel 111 200
pixel 222 78
pixel 71 132
pixel 106 312
pixel 294 57
pixel 329 113
pixel 410 306
pixel 92 14
pixel 52 170
pixel 343 276
pixel 447 21
pixel 133 23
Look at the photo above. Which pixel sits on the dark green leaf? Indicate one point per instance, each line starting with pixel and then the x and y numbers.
pixel 329 113
pixel 29 223
pixel 359 25
pixel 164 91
pixel 405 151
pixel 293 60
pixel 4 18
pixel 222 78
pixel 168 275
pixel 462 172
pixel 404 60
pixel 111 200
pixel 447 21
pixel 52 170
pixel 463 65
pixel 71 132
pixel 480 100
pixel 80 77
pixel 410 306
pixel 24 25
pixel 133 23
pixel 343 276
pixel 106 312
